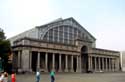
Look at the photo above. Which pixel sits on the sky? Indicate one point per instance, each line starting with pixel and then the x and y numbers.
pixel 104 19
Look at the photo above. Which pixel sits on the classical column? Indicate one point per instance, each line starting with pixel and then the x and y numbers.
pixel 66 63
pixel 99 63
pixel 19 58
pixel 71 63
pixel 77 69
pixel 103 64
pixel 89 62
pixel 46 62
pixel 95 63
pixel 113 64
pixel 60 64
pixel 19 61
pixel 53 62
pixel 109 64
pixel 106 64
pixel 30 61
pixel 80 63
pixel 38 61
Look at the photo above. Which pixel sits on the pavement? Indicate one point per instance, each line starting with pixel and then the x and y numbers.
pixel 73 77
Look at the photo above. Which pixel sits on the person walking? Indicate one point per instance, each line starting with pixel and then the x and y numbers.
pixel 13 77
pixel 1 79
pixel 52 76
pixel 37 76
pixel 5 79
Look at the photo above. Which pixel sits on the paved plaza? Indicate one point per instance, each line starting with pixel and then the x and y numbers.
pixel 95 77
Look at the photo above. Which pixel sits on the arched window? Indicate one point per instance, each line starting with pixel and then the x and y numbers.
pixel 63 34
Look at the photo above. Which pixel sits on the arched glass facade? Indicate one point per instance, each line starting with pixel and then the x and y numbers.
pixel 63 34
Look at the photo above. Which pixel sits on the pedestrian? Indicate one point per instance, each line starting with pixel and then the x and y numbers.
pixel 52 76
pixel 13 77
pixel 5 79
pixel 37 76
pixel 2 77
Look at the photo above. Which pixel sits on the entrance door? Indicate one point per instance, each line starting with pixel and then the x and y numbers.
pixel 84 59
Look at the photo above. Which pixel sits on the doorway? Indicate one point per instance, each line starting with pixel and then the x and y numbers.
pixel 84 59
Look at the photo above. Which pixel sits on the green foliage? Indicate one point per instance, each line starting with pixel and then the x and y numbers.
pixel 2 37
pixel 5 48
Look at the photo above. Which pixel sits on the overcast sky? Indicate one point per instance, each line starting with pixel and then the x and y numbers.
pixel 104 19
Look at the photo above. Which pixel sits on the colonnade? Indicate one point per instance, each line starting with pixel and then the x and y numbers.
pixel 64 62
pixel 97 63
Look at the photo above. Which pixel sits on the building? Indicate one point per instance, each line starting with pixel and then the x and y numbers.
pixel 63 46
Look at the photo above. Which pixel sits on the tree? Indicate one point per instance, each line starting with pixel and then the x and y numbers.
pixel 5 49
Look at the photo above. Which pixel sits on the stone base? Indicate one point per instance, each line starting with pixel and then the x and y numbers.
pixel 71 70
pixel 60 70
pixel 66 70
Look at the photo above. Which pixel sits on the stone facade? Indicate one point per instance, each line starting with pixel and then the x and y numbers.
pixel 63 46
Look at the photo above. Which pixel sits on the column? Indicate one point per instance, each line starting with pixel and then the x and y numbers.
pixel 89 62
pixel 77 69
pixel 46 62
pixel 53 62
pixel 95 63
pixel 60 64
pixel 71 63
pixel 106 64
pixel 30 61
pixel 99 63
pixel 38 61
pixel 66 63
pixel 112 64
pixel 19 61
pixel 103 64
pixel 80 63
pixel 109 64
pixel 19 56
